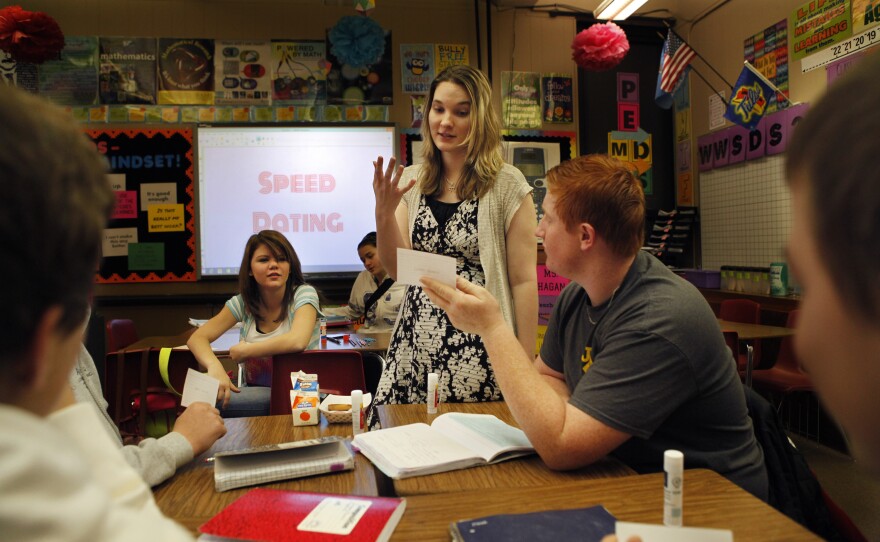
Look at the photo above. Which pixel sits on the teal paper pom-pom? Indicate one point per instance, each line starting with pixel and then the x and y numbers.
pixel 357 41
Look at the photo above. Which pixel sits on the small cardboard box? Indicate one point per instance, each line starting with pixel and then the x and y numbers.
pixel 304 398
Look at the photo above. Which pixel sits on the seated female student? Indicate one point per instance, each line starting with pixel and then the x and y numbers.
pixel 375 297
pixel 279 314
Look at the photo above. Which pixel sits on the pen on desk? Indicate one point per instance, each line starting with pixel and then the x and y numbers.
pixel 336 340
pixel 209 459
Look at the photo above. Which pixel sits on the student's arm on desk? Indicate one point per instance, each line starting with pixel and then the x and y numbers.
pixel 564 436
pixel 295 340
pixel 199 344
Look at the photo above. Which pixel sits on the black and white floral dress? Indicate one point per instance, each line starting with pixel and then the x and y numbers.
pixel 424 340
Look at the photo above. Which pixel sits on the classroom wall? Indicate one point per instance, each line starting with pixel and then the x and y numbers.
pixel 744 208
pixel 520 40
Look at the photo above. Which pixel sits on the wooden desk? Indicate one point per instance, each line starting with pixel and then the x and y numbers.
pixel 380 345
pixel 710 500
pixel 189 496
pixel 749 332
pixel 524 472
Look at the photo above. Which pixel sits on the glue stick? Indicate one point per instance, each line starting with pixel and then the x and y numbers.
pixel 433 396
pixel 673 479
pixel 357 412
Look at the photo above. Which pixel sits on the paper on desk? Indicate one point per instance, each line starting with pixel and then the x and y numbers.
pixel 661 533
pixel 199 387
pixel 412 265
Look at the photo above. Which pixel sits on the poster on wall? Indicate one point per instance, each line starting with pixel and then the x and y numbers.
pixel 816 25
pixel 241 72
pixel 550 285
pixel 186 71
pixel 450 54
pixel 520 99
pixel 361 85
pixel 127 70
pixel 768 52
pixel 299 72
pixel 416 67
pixel 865 14
pixel 73 78
pixel 151 234
pixel 556 95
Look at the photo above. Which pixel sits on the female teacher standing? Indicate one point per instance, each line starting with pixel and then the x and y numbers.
pixel 468 204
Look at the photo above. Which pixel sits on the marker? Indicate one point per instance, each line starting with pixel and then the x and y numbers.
pixel 433 396
pixel 673 479
pixel 357 412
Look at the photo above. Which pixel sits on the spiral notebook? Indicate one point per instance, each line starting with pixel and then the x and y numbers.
pixel 264 464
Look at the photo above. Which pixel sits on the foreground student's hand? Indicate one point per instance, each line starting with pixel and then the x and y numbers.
pixel 613 538
pixel 470 308
pixel 202 425
pixel 217 371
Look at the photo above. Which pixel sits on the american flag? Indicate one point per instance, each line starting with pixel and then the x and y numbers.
pixel 677 55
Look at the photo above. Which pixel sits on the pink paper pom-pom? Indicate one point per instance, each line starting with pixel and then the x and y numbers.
pixel 600 47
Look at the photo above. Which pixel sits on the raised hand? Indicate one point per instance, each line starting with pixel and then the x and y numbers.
pixel 386 185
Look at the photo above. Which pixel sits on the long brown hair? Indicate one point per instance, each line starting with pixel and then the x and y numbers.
pixel 483 160
pixel 282 250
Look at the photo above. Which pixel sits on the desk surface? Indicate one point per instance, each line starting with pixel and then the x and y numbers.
pixel 517 473
pixel 189 496
pixel 710 500
pixel 755 331
pixel 380 344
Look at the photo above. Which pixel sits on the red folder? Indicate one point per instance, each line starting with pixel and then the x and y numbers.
pixel 273 515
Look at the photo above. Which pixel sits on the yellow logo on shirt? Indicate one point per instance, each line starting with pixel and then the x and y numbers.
pixel 587 358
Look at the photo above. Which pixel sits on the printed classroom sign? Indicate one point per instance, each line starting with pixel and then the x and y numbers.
pixel 151 235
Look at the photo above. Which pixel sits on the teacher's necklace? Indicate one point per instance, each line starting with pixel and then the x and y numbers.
pixel 450 187
pixel 610 301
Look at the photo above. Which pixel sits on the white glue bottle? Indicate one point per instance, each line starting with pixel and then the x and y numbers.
pixel 433 395
pixel 357 412
pixel 673 479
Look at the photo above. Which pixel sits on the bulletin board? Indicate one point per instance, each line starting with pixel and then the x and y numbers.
pixel 151 233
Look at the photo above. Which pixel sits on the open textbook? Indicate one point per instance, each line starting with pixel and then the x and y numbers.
pixel 452 441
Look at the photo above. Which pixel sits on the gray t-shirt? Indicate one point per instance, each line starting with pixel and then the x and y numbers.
pixel 655 365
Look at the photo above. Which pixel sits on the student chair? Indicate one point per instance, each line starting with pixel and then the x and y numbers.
pixel 786 375
pixel 120 333
pixel 748 312
pixel 338 370
pixel 135 378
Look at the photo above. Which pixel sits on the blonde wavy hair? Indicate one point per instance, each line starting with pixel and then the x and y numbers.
pixel 483 160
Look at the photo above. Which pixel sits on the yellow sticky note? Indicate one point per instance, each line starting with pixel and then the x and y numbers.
pixel 206 114
pixel 241 114
pixel 170 114
pixel 165 218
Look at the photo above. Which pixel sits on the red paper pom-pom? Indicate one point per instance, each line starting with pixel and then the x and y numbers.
pixel 600 47
pixel 29 36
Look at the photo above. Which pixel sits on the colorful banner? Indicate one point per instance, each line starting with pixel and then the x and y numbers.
pixel 299 72
pixel 816 25
pixel 520 99
pixel 186 71
pixel 72 79
pixel 241 72
pixel 768 52
pixel 416 67
pixel 449 54
pixel 128 70
pixel 865 14
pixel 556 92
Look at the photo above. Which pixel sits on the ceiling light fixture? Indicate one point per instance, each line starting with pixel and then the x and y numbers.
pixel 617 10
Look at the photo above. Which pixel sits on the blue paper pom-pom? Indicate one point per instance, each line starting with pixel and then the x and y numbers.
pixel 357 41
